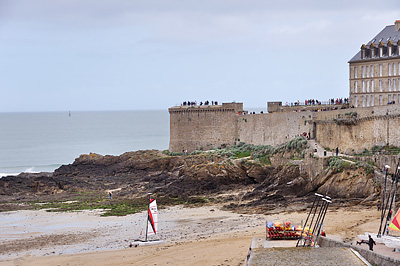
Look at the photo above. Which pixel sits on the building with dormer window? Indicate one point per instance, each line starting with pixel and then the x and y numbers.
pixel 374 72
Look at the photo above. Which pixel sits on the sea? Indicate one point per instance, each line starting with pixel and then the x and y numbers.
pixel 43 141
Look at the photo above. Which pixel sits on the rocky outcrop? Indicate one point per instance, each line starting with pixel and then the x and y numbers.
pixel 136 173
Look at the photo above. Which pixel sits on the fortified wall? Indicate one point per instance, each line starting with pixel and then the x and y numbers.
pixel 203 127
pixel 371 126
pixel 352 129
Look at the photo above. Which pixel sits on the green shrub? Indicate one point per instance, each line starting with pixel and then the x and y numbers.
pixel 264 159
pixel 339 164
pixel 368 168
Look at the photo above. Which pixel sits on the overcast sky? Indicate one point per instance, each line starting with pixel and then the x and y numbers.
pixel 153 54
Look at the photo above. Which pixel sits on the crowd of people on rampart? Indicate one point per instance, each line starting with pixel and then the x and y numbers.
pixel 339 101
pixel 310 102
pixel 194 103
pixel 249 113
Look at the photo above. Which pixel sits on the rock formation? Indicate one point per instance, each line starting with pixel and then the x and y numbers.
pixel 280 181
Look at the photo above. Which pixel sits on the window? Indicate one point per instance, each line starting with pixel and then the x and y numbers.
pixel 380 100
pixel 390 69
pixel 380 51
pixel 367 85
pixel 380 70
pixel 363 71
pixel 390 98
pixel 394 69
pixel 363 86
pixel 356 101
pixel 355 86
pixel 355 72
pixel 372 71
pixel 367 100
pixel 380 86
pixel 394 84
pixel 372 86
pixel 363 101
pixel 367 67
pixel 389 50
pixel 372 100
pixel 390 84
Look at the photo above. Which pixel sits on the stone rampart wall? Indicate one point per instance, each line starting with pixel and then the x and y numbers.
pixel 207 127
pixel 359 134
pixel 272 129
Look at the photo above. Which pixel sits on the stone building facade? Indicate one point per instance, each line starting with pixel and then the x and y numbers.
pixel 375 70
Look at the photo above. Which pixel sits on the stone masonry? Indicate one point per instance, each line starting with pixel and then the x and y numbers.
pixel 353 129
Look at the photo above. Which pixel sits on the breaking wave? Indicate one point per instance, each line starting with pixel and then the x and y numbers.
pixel 14 171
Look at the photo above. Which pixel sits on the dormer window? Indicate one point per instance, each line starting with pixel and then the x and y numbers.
pixel 398 47
pixel 381 52
pixel 363 51
pixel 389 46
pixel 372 49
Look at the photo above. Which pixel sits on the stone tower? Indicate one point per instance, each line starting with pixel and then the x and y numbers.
pixel 203 127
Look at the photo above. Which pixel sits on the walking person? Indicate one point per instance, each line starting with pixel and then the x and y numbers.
pixel 371 243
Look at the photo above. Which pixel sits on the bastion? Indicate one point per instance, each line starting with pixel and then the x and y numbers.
pixel 350 129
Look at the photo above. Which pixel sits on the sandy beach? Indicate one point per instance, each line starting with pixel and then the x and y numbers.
pixel 192 236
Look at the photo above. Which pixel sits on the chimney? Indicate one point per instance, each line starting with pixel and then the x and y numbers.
pixel 397 25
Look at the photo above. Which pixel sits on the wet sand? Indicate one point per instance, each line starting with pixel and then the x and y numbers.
pixel 192 236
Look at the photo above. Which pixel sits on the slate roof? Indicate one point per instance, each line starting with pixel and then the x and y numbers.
pixel 386 35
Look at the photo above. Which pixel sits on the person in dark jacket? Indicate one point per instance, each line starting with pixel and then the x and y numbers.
pixel 371 243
